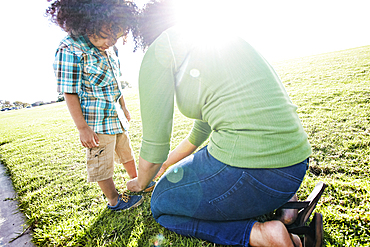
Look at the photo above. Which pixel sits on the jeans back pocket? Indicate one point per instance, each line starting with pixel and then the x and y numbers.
pixel 248 198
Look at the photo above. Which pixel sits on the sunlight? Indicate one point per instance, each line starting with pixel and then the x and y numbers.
pixel 207 17
pixel 205 12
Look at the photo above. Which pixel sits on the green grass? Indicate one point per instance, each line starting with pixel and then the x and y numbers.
pixel 46 162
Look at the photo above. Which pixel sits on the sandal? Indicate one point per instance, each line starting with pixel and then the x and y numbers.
pixel 314 236
pixel 306 208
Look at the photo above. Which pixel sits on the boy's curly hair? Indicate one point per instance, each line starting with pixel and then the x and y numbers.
pixel 88 17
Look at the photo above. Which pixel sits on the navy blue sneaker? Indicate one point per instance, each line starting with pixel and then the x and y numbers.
pixel 125 202
pixel 150 187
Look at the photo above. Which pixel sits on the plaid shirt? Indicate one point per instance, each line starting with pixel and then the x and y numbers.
pixel 80 68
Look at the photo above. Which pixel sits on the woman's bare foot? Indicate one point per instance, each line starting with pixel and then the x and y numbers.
pixel 296 240
pixel 272 233
pixel 287 216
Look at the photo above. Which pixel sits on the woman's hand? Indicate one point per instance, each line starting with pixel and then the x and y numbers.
pixel 162 170
pixel 184 149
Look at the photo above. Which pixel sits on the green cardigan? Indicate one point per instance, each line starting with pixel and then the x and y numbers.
pixel 232 92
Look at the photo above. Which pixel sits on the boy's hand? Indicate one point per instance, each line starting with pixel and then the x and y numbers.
pixel 124 108
pixel 127 114
pixel 89 138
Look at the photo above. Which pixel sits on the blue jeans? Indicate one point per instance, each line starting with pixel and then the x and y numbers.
pixel 207 199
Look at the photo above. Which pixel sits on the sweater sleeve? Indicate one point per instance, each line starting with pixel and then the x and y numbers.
pixel 199 133
pixel 156 92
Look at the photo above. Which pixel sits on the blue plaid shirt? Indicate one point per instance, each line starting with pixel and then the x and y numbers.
pixel 82 69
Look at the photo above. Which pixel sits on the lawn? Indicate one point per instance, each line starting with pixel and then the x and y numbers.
pixel 46 162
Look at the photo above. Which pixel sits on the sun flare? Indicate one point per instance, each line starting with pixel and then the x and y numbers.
pixel 207 18
pixel 205 12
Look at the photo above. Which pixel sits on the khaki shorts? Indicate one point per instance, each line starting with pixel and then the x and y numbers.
pixel 100 160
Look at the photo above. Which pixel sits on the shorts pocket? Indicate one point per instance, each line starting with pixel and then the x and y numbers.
pixel 248 198
pixel 95 157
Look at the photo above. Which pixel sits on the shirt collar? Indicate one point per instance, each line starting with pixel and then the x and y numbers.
pixel 86 45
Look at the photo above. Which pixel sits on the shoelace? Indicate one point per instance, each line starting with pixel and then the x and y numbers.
pixel 125 197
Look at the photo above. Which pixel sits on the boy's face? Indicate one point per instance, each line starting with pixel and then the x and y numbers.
pixel 105 40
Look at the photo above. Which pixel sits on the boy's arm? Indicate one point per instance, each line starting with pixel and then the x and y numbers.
pixel 88 137
pixel 125 110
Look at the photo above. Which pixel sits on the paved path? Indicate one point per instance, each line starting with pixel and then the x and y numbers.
pixel 11 220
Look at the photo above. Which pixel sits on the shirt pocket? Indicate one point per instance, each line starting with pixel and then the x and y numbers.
pixel 98 74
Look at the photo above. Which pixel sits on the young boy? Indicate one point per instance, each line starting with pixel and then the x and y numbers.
pixel 86 68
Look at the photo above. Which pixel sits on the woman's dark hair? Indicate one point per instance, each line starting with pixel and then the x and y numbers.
pixel 154 18
pixel 88 17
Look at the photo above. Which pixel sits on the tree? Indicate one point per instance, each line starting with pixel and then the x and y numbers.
pixel 20 104
pixel 125 84
pixel 5 104
pixel 60 97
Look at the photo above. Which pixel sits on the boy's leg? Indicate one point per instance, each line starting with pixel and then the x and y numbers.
pixel 100 168
pixel 125 154
pixel 109 189
pixel 130 168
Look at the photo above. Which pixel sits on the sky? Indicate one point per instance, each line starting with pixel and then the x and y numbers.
pixel 279 30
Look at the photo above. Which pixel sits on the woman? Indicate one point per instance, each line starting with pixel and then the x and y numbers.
pixel 257 154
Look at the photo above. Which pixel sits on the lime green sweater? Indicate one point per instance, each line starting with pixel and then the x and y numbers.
pixel 232 92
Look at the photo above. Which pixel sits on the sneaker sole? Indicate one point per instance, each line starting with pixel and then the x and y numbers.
pixel 138 203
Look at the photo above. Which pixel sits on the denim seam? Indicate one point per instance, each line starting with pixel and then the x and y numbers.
pixel 191 183
pixel 204 232
pixel 247 234
pixel 262 187
pixel 286 175
pixel 214 174
pixel 225 194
